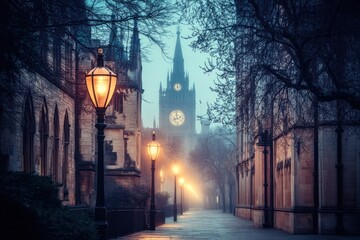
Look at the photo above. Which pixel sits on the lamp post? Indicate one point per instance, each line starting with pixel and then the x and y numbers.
pixel 264 141
pixel 101 83
pixel 153 151
pixel 181 181
pixel 175 171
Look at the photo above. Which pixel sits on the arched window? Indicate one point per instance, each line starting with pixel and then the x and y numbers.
pixel 55 159
pixel 44 134
pixel 66 153
pixel 28 135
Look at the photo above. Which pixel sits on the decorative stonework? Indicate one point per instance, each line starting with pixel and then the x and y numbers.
pixel 283 164
pixel 110 119
pixel 110 156
pixel 244 167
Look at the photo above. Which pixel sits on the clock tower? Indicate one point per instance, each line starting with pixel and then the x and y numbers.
pixel 177 104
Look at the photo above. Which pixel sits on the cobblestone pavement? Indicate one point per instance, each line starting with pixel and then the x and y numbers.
pixel 214 225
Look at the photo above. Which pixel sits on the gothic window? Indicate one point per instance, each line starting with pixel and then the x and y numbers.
pixel 44 134
pixel 28 135
pixel 55 156
pixel 66 153
pixel 119 102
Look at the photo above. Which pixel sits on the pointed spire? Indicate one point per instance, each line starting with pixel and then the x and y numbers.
pixel 154 123
pixel 160 89
pixel 178 62
pixel 134 55
pixel 115 51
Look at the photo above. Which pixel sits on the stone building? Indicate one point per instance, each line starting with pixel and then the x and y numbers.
pixel 47 120
pixel 123 116
pixel 177 105
pixel 38 102
pixel 298 159
pixel 311 184
pixel 177 119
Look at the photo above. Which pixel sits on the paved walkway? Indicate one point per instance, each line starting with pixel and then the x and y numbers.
pixel 214 225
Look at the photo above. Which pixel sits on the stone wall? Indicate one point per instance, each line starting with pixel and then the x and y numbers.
pixel 44 93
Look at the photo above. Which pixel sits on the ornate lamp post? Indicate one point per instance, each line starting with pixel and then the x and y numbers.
pixel 175 171
pixel 101 83
pixel 181 181
pixel 265 141
pixel 153 148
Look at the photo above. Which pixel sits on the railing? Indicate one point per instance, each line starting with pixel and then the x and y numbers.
pixel 159 217
pixel 125 221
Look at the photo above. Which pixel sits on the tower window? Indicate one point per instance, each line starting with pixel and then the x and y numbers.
pixel 119 102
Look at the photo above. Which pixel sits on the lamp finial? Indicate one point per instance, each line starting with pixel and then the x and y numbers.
pixel 100 58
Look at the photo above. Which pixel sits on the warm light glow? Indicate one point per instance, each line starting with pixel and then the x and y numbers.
pixel 181 181
pixel 161 173
pixel 191 189
pixel 153 148
pixel 175 169
pixel 100 86
pixel 101 83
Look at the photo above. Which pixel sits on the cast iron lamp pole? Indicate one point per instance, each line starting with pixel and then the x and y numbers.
pixel 264 141
pixel 175 171
pixel 153 151
pixel 101 83
pixel 181 181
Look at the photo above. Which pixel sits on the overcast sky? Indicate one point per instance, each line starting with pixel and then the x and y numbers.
pixel 156 69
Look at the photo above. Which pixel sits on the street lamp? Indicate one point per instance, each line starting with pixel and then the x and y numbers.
pixel 153 148
pixel 175 171
pixel 264 141
pixel 101 83
pixel 181 181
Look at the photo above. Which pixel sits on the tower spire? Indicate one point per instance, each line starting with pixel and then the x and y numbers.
pixel 178 62
pixel 134 55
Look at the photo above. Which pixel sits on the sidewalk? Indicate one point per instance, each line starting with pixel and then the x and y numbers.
pixel 213 224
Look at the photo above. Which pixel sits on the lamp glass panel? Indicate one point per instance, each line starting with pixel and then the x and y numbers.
pixel 101 84
pixel 153 149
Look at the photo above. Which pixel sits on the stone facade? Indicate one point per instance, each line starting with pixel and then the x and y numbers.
pixel 312 178
pixel 48 122
pixel 307 180
pixel 41 119
pixel 178 95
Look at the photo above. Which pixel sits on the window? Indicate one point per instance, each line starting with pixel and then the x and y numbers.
pixel 55 155
pixel 65 162
pixel 119 102
pixel 44 133
pixel 28 135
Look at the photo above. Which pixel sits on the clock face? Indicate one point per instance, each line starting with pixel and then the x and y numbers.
pixel 177 118
pixel 177 86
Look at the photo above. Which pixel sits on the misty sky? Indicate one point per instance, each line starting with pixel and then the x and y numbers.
pixel 155 71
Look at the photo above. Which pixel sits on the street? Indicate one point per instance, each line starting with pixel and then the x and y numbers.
pixel 213 224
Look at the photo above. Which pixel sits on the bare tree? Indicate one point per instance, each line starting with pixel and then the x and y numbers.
pixel 277 45
pixel 214 159
pixel 35 32
pixel 24 22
